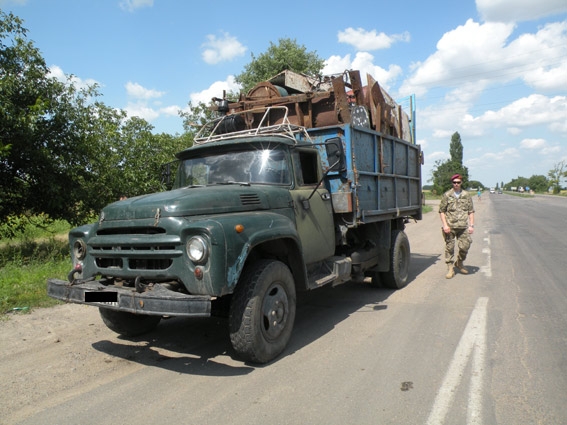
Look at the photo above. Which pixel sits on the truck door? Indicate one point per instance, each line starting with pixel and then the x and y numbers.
pixel 313 215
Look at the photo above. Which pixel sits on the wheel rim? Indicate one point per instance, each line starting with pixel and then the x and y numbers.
pixel 403 264
pixel 275 308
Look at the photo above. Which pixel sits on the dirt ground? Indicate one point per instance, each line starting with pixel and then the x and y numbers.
pixel 46 356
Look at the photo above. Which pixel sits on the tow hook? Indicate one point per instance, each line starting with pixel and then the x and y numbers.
pixel 71 276
pixel 140 287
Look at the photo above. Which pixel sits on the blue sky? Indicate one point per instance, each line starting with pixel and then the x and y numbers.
pixel 493 70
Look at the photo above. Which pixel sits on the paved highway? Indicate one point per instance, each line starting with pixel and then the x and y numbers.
pixel 486 348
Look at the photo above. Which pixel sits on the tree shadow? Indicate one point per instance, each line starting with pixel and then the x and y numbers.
pixel 420 263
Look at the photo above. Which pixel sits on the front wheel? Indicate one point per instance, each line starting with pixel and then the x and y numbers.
pixel 262 311
pixel 128 324
pixel 397 276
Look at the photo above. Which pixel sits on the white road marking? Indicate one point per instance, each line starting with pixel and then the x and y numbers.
pixel 487 269
pixel 472 343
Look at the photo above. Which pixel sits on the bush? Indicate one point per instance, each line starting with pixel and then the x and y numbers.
pixel 32 249
pixel 22 227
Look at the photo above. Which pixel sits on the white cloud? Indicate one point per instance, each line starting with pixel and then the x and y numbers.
pixel 481 54
pixel 519 10
pixel 57 72
pixel 540 58
pixel 423 143
pixel 221 49
pixel 495 157
pixel 215 90
pixel 364 62
pixel 533 110
pixel 143 110
pixel 137 91
pixel 539 145
pixel 443 121
pixel 532 143
pixel 437 155
pixel 140 109
pixel 131 5
pixel 361 39
pixel 140 103
pixel 172 110
pixel 470 52
pixel 442 134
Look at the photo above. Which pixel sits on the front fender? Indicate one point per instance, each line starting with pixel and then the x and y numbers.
pixel 256 228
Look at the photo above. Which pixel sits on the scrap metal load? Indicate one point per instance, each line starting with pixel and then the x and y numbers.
pixel 311 102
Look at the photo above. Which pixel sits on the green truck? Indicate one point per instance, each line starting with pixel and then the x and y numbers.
pixel 266 203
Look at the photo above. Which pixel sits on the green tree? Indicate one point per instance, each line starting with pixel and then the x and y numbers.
pixel 475 184
pixel 286 55
pixel 63 152
pixel 456 149
pixel 194 120
pixel 444 170
pixel 555 175
pixel 538 183
pixel 35 132
pixel 519 182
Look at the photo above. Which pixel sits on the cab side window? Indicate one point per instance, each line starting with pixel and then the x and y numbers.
pixel 305 165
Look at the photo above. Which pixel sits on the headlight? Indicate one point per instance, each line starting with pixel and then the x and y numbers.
pixel 197 249
pixel 79 249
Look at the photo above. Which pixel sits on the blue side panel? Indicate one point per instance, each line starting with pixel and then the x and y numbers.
pixel 383 177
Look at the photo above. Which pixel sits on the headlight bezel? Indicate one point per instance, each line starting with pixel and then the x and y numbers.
pixel 197 249
pixel 79 249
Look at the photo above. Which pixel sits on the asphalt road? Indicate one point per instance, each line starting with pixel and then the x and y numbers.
pixel 486 348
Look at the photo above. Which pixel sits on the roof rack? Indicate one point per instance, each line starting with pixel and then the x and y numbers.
pixel 234 126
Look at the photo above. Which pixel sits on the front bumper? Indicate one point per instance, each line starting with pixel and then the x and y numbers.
pixel 158 300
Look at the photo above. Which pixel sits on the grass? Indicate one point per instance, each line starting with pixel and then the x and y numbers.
pixel 428 197
pixel 27 259
pixel 23 288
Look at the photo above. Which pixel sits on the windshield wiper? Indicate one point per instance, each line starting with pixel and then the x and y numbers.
pixel 231 182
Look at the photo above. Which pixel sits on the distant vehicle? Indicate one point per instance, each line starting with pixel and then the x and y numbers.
pixel 492 190
pixel 521 189
pixel 500 191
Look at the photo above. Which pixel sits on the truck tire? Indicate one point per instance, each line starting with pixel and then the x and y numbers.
pixel 128 324
pixel 262 311
pixel 397 276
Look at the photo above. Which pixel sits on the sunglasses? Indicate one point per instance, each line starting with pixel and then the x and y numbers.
pixel 457 182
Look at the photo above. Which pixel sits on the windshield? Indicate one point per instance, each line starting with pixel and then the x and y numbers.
pixel 264 166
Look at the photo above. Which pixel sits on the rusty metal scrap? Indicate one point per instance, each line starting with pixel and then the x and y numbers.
pixel 325 101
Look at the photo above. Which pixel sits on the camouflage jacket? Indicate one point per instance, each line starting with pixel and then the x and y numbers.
pixel 456 210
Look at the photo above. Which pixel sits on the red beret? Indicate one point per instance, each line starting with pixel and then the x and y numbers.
pixel 456 176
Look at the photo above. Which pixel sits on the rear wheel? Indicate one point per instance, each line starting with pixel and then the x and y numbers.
pixel 128 324
pixel 262 311
pixel 397 276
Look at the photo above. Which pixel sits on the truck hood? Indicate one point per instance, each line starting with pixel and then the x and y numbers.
pixel 199 201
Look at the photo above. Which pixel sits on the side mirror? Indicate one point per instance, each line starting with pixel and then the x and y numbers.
pixel 335 154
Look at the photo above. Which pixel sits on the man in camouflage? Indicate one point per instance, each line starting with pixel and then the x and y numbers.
pixel 457 218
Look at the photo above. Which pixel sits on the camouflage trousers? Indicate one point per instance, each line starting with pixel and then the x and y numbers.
pixel 464 241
